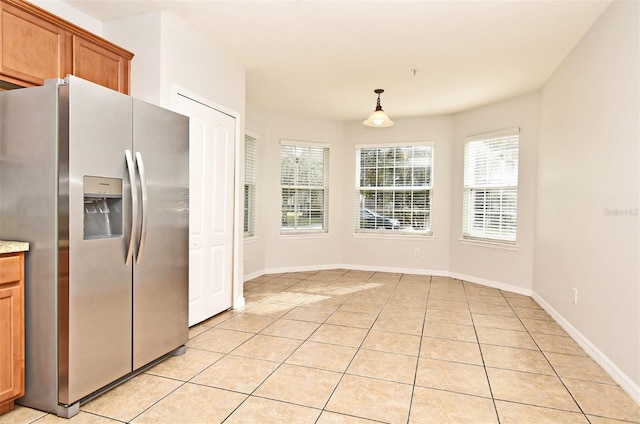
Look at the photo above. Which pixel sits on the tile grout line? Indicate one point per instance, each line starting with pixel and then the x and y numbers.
pixel 226 354
pixel 475 331
pixel 550 364
pixel 484 364
pixel 415 376
pixel 281 363
pixel 354 355
pixel 272 372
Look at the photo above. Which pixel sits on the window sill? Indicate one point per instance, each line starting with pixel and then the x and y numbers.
pixel 489 244
pixel 300 236
pixel 251 239
pixel 400 236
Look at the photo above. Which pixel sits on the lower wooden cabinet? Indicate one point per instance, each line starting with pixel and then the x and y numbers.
pixel 11 329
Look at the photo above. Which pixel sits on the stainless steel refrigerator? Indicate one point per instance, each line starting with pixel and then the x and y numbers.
pixel 98 183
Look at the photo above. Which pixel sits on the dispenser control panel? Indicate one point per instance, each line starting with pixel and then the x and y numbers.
pixel 102 186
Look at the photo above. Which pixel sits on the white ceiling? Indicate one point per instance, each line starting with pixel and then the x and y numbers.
pixel 323 59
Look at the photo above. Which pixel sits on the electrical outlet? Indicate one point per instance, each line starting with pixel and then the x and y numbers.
pixel 416 252
pixel 575 296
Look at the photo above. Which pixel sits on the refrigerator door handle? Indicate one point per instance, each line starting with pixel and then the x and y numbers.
pixel 143 189
pixel 134 206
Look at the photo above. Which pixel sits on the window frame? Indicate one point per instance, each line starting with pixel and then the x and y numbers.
pixel 325 150
pixel 504 187
pixel 428 189
pixel 249 187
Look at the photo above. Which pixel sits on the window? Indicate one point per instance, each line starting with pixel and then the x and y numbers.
pixel 304 179
pixel 394 188
pixel 491 187
pixel 249 185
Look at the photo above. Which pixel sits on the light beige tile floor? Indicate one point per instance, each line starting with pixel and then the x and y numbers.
pixel 342 346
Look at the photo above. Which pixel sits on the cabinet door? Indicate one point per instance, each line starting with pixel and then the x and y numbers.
pixel 31 49
pixel 11 329
pixel 100 65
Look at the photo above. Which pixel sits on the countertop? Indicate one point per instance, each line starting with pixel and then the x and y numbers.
pixel 13 246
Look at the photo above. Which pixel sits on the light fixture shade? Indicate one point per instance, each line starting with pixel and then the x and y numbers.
pixel 378 118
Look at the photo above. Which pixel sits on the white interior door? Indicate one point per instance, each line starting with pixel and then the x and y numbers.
pixel 211 198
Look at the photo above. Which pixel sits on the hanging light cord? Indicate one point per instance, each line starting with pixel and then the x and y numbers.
pixel 378 107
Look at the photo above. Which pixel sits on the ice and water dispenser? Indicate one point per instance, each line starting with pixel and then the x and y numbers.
pixel 102 207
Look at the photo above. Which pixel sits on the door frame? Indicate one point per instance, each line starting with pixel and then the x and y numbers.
pixel 236 267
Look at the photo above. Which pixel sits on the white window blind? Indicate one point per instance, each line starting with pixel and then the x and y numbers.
pixel 304 180
pixel 393 188
pixel 249 185
pixel 491 187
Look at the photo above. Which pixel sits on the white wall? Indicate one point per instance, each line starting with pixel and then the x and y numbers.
pixel 283 253
pixel 271 252
pixel 587 234
pixel 505 268
pixel 141 34
pixel 190 62
pixel 168 53
pixel 396 253
pixel 441 254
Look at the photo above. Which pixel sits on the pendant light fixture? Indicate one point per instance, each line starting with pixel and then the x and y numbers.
pixel 378 118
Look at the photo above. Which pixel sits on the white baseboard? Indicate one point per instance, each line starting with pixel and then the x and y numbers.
pixel 596 354
pixel 253 275
pixel 301 268
pixel 490 283
pixel 434 272
pixel 396 270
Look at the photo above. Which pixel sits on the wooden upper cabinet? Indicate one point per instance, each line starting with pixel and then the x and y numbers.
pixel 93 62
pixel 32 49
pixel 36 45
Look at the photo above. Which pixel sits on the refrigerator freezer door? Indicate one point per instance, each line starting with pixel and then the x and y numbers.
pixel 95 345
pixel 161 276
